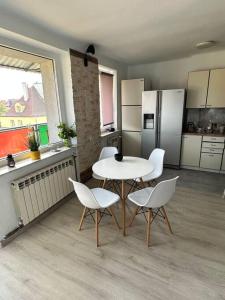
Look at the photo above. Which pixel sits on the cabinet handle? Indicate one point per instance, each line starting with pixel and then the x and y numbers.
pixel 202 105
pixel 208 104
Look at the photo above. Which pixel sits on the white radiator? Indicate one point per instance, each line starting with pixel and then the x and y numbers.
pixel 35 193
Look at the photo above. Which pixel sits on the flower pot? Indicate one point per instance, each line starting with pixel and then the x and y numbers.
pixel 35 155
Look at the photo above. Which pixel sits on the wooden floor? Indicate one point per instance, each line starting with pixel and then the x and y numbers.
pixel 52 260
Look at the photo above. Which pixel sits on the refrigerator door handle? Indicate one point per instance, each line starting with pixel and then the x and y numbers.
pixel 159 105
pixel 156 119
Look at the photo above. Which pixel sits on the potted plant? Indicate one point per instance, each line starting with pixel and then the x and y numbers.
pixel 33 144
pixel 66 133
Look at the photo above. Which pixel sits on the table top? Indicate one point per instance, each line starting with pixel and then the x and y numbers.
pixel 129 168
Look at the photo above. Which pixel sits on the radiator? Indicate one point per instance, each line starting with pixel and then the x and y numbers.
pixel 36 192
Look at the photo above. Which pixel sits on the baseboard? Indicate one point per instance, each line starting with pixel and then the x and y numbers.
pixel 16 232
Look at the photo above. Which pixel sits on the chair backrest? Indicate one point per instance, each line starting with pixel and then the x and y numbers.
pixel 157 157
pixel 85 195
pixel 162 193
pixel 107 152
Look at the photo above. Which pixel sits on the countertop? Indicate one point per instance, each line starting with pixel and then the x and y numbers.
pixel 205 134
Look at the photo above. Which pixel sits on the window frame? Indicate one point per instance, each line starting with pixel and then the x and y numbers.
pixel 44 61
pixel 113 72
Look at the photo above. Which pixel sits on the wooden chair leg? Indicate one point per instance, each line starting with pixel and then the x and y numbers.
pixel 150 216
pixel 110 209
pixel 149 226
pixel 167 220
pixel 96 226
pixel 82 218
pixel 142 183
pixel 134 215
pixel 104 183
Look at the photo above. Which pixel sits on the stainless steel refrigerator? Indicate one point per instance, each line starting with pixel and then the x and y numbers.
pixel 162 122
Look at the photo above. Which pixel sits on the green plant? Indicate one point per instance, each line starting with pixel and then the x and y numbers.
pixel 32 142
pixel 3 108
pixel 66 132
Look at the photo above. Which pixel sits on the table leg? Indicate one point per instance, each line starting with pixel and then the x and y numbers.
pixel 123 207
pixel 142 182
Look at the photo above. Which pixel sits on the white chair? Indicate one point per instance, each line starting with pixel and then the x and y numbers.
pixel 151 200
pixel 156 157
pixel 94 200
pixel 105 153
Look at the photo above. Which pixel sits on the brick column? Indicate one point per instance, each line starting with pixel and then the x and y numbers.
pixel 85 82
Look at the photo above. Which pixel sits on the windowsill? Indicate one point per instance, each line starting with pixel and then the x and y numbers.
pixel 26 162
pixel 106 133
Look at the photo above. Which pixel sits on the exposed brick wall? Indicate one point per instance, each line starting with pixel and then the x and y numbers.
pixel 85 82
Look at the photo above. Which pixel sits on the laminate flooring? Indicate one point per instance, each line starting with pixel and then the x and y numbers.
pixel 53 260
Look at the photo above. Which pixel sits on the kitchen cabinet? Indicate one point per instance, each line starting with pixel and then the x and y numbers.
pixel 212 152
pixel 210 161
pixel 214 139
pixel 197 89
pixel 191 150
pixel 131 143
pixel 223 163
pixel 131 91
pixel 131 118
pixel 216 91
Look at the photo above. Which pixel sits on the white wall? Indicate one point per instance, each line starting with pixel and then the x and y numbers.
pixel 173 74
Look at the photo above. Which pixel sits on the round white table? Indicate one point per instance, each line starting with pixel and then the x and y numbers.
pixel 129 168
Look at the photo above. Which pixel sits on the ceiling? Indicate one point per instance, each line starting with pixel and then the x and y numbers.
pixel 132 31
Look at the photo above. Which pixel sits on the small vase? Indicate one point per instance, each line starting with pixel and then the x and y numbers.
pixel 10 161
pixel 67 143
pixel 35 155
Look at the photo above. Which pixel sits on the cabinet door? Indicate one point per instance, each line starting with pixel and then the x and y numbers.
pixel 216 92
pixel 132 143
pixel 131 91
pixel 211 161
pixel 197 89
pixel 191 149
pixel 131 118
pixel 223 163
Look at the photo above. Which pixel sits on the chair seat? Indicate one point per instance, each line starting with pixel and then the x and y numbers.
pixel 104 197
pixel 140 197
pixel 97 176
pixel 151 176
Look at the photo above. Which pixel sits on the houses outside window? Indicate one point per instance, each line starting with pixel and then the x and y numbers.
pixel 108 99
pixel 27 101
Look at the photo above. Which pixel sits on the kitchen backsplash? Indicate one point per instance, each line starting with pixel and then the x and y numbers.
pixel 201 117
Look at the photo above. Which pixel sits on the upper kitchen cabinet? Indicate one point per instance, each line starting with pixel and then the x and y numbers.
pixel 197 89
pixel 216 91
pixel 132 91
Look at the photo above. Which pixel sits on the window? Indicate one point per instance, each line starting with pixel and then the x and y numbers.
pixel 107 84
pixel 28 100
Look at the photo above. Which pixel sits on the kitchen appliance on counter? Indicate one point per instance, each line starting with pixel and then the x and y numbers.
pixel 162 121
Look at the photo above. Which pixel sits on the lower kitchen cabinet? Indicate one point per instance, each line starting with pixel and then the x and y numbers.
pixel 223 163
pixel 131 143
pixel 210 161
pixel 191 149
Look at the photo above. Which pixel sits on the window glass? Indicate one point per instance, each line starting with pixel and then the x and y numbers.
pixel 22 106
pixel 106 98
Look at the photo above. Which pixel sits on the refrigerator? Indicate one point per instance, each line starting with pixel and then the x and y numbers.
pixel 131 107
pixel 162 122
